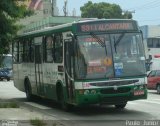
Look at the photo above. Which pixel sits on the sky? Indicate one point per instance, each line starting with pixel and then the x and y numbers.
pixel 146 12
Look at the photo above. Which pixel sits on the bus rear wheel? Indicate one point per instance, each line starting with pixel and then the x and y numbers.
pixel 121 106
pixel 28 90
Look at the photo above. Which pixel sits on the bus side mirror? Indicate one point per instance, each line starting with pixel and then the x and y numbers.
pixel 142 34
pixel 70 35
pixel 71 49
pixel 70 42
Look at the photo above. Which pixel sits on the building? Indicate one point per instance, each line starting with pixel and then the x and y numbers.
pixel 49 22
pixel 42 9
pixel 151 35
pixel 46 15
pixel 55 10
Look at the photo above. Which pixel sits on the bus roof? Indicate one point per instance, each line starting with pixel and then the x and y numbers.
pixel 68 26
pixel 46 29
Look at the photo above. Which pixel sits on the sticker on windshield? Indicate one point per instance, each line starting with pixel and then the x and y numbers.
pixel 107 61
pixel 118 68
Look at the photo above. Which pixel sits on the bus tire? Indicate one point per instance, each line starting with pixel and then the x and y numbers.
pixel 61 99
pixel 8 79
pixel 121 106
pixel 158 88
pixel 28 90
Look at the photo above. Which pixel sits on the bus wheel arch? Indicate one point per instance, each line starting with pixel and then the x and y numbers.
pixel 28 89
pixel 59 91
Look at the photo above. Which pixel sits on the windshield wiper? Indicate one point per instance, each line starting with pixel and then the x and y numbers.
pixel 115 47
pixel 102 43
pixel 98 39
pixel 119 39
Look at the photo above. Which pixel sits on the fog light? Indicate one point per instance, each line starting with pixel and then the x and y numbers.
pixel 93 91
pixel 141 87
pixel 135 88
pixel 86 92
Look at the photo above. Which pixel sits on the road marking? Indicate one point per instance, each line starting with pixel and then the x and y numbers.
pixel 65 119
pixel 37 105
pixel 149 101
pixel 132 103
pixel 156 99
pixel 153 101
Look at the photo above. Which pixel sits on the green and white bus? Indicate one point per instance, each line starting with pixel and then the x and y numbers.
pixel 86 62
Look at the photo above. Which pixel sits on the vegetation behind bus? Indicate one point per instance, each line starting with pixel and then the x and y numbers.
pixel 10 12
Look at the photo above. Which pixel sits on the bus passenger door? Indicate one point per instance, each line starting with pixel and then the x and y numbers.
pixel 38 70
pixel 69 69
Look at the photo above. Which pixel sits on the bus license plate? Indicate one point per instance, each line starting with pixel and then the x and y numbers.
pixel 138 92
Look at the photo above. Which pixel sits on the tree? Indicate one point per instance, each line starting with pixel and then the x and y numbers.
pixel 10 13
pixel 103 10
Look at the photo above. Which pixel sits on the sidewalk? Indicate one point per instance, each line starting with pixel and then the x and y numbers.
pixel 19 116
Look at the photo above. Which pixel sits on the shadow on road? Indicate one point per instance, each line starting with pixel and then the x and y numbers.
pixel 89 111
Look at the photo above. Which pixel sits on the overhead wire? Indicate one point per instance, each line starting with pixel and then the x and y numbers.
pixel 145 7
pixel 148 5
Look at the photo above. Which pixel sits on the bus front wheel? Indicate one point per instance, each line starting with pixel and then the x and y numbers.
pixel 121 106
pixel 8 79
pixel 61 99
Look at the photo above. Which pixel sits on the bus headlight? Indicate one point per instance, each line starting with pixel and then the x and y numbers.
pixel 141 87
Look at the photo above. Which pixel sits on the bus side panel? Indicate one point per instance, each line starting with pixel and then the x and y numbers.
pixel 30 74
pixel 18 82
pixel 50 76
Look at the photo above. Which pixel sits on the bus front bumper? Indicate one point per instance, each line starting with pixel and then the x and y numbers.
pixel 110 96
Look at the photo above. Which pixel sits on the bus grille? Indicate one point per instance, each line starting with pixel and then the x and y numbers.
pixel 114 100
pixel 113 83
pixel 113 91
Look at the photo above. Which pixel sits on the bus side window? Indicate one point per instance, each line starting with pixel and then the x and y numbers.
pixel 49 49
pixel 58 49
pixel 26 54
pixel 15 52
pixel 31 51
pixel 20 51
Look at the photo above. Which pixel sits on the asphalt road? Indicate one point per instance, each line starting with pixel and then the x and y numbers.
pixel 140 112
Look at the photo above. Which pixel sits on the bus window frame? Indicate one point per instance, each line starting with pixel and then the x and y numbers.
pixel 55 49
pixel 45 49
pixel 15 50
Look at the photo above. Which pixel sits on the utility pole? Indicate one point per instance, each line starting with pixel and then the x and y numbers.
pixel 53 8
pixel 65 8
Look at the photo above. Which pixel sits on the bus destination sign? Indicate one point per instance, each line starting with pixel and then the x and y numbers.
pixel 107 26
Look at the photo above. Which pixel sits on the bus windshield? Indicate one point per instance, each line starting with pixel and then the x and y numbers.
pixel 109 56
